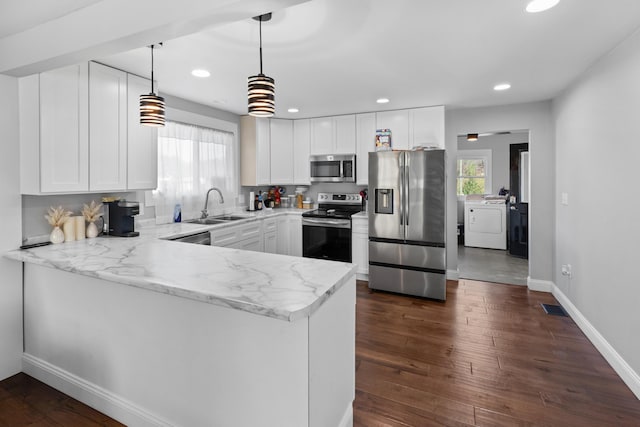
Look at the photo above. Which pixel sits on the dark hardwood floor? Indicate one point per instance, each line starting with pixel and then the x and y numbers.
pixel 488 356
pixel 25 401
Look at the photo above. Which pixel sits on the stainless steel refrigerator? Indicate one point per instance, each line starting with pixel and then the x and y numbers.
pixel 407 232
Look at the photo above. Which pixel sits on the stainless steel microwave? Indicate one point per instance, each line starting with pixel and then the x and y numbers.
pixel 333 168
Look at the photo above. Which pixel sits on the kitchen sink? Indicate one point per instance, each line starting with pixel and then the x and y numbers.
pixel 211 220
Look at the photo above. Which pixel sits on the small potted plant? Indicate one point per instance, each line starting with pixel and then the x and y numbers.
pixel 56 217
pixel 91 213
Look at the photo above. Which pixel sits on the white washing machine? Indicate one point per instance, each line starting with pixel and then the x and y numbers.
pixel 485 224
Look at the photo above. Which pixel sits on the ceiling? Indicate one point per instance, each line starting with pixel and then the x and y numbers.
pixel 332 56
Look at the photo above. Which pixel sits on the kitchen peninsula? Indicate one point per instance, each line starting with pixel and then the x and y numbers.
pixel 155 332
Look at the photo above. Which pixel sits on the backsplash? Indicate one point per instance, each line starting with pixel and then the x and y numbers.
pixel 311 193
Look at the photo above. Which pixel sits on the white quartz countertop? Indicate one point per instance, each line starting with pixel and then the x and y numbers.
pixel 278 286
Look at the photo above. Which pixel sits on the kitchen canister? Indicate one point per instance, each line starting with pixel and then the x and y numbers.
pixel 69 230
pixel 80 226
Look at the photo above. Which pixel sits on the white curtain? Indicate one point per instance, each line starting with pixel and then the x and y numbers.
pixel 191 160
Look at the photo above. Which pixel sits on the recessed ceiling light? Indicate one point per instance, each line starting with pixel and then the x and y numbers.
pixel 293 110
pixel 198 72
pixel 382 100
pixel 502 86
pixel 541 5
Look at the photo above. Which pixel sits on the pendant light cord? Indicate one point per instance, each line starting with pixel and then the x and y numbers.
pixel 152 69
pixel 260 44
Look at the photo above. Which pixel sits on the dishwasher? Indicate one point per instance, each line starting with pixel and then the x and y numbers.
pixel 203 238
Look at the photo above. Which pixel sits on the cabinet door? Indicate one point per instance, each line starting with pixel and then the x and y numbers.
pixel 365 137
pixel 295 230
pixel 107 129
pixel 426 127
pixel 283 235
pixel 360 252
pixel 64 134
pixel 322 136
pixel 301 150
pixel 398 122
pixel 263 150
pixel 270 242
pixel 142 141
pixel 281 132
pixel 345 131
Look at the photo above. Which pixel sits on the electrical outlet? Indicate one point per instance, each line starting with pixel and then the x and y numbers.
pixel 566 270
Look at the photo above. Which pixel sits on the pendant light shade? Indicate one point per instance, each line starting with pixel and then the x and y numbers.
pixel 261 89
pixel 152 105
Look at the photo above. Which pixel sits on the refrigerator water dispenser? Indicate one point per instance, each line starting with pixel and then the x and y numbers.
pixel 384 201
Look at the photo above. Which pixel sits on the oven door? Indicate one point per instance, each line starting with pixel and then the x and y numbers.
pixel 326 239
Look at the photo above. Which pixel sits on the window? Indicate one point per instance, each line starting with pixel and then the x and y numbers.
pixel 192 159
pixel 474 172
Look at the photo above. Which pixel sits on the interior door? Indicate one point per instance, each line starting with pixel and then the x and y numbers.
pixel 518 211
pixel 426 196
pixel 385 181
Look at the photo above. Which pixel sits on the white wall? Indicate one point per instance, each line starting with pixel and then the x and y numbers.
pixel 537 118
pixel 10 235
pixel 598 166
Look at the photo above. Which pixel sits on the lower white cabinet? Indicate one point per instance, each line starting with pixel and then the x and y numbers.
pixel 295 236
pixel 270 236
pixel 360 245
pixel 284 232
pixel 246 236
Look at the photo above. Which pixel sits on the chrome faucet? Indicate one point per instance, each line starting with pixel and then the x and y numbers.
pixel 206 201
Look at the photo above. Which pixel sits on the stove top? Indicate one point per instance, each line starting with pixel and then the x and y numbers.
pixel 336 205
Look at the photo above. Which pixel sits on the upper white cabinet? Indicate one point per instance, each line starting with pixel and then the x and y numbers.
pixel 74 132
pixel 333 135
pixel 142 141
pixel 398 122
pixel 365 138
pixel 426 127
pixel 255 157
pixel 282 149
pixel 107 128
pixel 54 134
pixel 301 150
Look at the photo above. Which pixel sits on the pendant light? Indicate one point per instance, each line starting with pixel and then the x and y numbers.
pixel 261 94
pixel 152 105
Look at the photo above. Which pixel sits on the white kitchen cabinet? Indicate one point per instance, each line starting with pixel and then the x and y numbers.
pixel 360 245
pixel 365 139
pixel 270 235
pixel 283 241
pixel 255 157
pixel 333 135
pixel 301 151
pixel 244 236
pixel 426 127
pixel 295 235
pixel 107 128
pixel 142 141
pixel 54 135
pixel 398 122
pixel 281 153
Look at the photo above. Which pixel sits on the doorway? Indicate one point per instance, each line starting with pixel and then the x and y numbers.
pixel 492 206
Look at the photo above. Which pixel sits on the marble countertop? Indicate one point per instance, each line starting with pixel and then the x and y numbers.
pixel 278 286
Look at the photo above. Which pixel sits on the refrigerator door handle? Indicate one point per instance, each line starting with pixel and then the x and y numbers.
pixel 406 189
pixel 401 188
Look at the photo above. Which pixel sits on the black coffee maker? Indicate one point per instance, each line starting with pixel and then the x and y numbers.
pixel 121 215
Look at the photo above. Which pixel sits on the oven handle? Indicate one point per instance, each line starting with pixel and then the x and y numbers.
pixel 331 223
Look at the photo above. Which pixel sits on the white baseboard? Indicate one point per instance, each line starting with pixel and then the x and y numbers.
pixel 361 276
pixel 453 274
pixel 622 368
pixel 347 418
pixel 540 285
pixel 90 394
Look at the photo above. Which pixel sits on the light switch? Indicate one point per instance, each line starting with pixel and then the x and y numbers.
pixel 564 199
